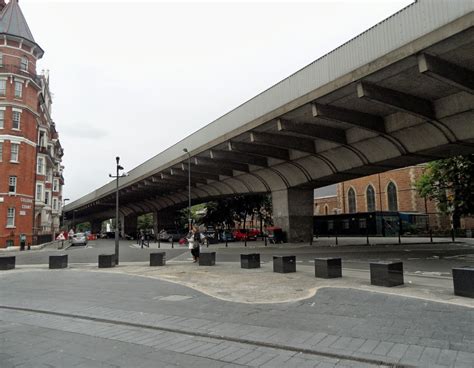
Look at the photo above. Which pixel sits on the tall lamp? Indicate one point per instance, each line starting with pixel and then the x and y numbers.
pixel 189 188
pixel 117 176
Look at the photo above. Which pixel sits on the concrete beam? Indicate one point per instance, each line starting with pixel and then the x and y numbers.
pixel 312 130
pixel 358 119
pixel 221 163
pixel 398 100
pixel 207 169
pixel 178 181
pixel 266 151
pixel 242 157
pixel 284 141
pixel 204 176
pixel 446 72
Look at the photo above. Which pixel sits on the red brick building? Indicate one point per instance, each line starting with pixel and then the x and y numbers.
pixel 389 191
pixel 30 153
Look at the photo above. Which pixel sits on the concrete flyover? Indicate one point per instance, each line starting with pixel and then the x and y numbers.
pixel 398 94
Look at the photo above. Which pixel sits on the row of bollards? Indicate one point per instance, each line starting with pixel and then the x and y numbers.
pixel 386 274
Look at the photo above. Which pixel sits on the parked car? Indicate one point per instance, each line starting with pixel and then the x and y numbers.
pixel 226 235
pixel 79 239
pixel 276 235
pixel 210 236
pixel 242 234
pixel 171 234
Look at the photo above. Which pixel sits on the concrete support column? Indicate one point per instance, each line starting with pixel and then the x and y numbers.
pixel 293 212
pixel 156 224
pixel 165 219
pixel 96 226
pixel 129 225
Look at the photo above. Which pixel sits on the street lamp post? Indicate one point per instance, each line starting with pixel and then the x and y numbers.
pixel 189 188
pixel 117 176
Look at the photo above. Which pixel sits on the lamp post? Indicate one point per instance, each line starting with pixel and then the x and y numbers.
pixel 189 188
pixel 117 176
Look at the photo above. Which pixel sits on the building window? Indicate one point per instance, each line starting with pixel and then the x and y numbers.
pixel 10 243
pixel 326 209
pixel 16 117
pixel 39 192
pixel 14 152
pixel 55 204
pixel 46 197
pixel 55 185
pixel 1 59
pixel 351 199
pixel 12 184
pixel 392 197
pixel 42 139
pixel 24 64
pixel 11 217
pixel 2 119
pixel 370 193
pixel 18 89
pixel 3 87
pixel 1 151
pixel 40 166
pixel 50 175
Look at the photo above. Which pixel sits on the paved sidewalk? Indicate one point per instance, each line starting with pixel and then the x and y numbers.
pixel 335 327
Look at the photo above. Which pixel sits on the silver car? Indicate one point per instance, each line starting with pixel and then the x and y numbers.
pixel 79 239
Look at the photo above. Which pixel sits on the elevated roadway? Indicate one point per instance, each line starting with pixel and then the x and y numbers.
pixel 398 94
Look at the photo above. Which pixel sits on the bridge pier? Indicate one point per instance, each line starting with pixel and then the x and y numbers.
pixel 96 226
pixel 129 225
pixel 293 212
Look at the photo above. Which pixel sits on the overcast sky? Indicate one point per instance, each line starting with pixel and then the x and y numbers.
pixel 132 78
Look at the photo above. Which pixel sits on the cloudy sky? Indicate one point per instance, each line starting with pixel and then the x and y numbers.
pixel 131 78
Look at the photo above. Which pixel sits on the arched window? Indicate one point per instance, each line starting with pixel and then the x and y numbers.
pixel 392 197
pixel 326 209
pixel 351 198
pixel 370 194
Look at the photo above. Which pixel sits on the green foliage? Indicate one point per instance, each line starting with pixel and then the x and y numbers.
pixel 450 183
pixel 84 226
pixel 225 211
pixel 145 222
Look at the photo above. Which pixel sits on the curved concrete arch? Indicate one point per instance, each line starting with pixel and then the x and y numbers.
pixel 223 188
pixel 201 192
pixel 256 183
pixel 421 137
pixel 293 174
pixel 275 180
pixel 134 207
pixel 378 149
pixel 342 158
pixel 213 190
pixel 125 211
pixel 145 206
pixel 316 167
pixel 238 184
pixel 151 204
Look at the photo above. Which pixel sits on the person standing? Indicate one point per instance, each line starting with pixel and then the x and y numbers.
pixel 194 241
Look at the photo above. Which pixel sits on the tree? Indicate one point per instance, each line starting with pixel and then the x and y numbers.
pixel 145 222
pixel 450 182
pixel 225 211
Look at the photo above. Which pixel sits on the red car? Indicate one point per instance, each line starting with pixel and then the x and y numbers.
pixel 241 234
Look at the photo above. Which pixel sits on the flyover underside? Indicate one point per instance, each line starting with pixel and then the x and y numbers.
pixel 417 109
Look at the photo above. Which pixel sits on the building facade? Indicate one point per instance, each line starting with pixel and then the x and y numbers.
pixel 30 152
pixel 391 191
